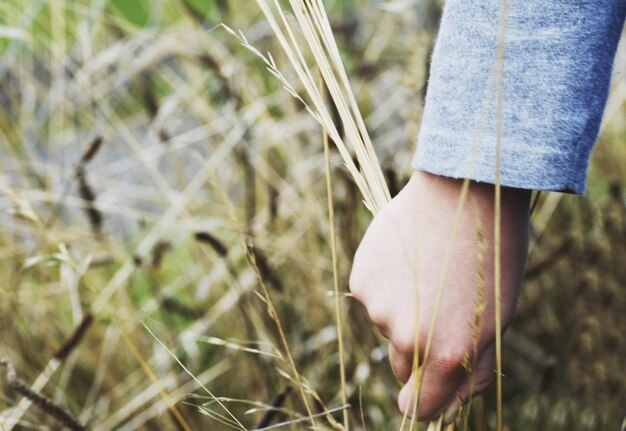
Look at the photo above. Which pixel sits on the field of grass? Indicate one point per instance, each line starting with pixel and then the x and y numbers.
pixel 165 253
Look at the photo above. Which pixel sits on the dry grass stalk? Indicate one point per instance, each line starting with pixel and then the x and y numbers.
pixel 497 211
pixel 268 418
pixel 170 402
pixel 74 339
pixel 166 396
pixel 174 306
pixel 213 241
pixel 11 418
pixel 315 27
pixel 333 247
pixel 271 311
pixel 91 150
pixel 480 306
pixel 47 405
pixel 101 96
pixel 88 195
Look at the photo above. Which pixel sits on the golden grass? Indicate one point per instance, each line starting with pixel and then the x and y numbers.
pixel 497 210
pixel 166 170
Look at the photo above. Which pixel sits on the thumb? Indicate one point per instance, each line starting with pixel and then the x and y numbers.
pixel 444 383
pixel 437 391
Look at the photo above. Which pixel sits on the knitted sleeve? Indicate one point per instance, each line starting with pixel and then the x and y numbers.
pixel 557 67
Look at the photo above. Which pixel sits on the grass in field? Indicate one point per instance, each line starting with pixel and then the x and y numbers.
pixel 137 273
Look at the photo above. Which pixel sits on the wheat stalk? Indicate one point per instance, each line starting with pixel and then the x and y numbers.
pixel 314 26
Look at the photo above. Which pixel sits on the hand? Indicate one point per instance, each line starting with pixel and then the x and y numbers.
pixel 397 274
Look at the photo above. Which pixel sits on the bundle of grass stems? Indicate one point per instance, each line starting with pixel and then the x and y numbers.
pixel 302 32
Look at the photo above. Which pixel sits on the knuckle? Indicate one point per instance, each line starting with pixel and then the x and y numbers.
pixel 358 281
pixel 449 362
pixel 404 341
pixel 378 315
pixel 355 283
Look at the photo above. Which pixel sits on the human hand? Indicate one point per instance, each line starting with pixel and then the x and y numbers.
pixel 397 273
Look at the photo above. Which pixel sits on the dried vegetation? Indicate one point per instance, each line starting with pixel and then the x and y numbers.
pixel 165 258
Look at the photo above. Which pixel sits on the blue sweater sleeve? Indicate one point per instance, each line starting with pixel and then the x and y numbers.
pixel 558 60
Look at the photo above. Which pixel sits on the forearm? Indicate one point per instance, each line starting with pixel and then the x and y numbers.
pixel 558 58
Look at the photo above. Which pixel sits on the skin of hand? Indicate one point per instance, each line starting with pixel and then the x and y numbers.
pixel 398 270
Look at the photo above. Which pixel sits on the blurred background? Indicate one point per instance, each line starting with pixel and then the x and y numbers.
pixel 153 172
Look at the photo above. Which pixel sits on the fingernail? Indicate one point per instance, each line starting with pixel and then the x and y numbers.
pixel 452 412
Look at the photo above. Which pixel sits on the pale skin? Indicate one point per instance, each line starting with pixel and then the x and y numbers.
pixel 398 270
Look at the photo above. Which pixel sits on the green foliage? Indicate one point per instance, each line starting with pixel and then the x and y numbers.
pixel 137 12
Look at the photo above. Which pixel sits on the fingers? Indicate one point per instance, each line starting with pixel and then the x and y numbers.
pixel 437 390
pixel 452 411
pixel 445 386
pixel 484 372
pixel 473 385
pixel 401 363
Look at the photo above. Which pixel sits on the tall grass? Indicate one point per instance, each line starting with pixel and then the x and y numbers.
pixel 155 175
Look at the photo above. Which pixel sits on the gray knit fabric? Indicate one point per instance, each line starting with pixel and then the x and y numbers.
pixel 558 59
